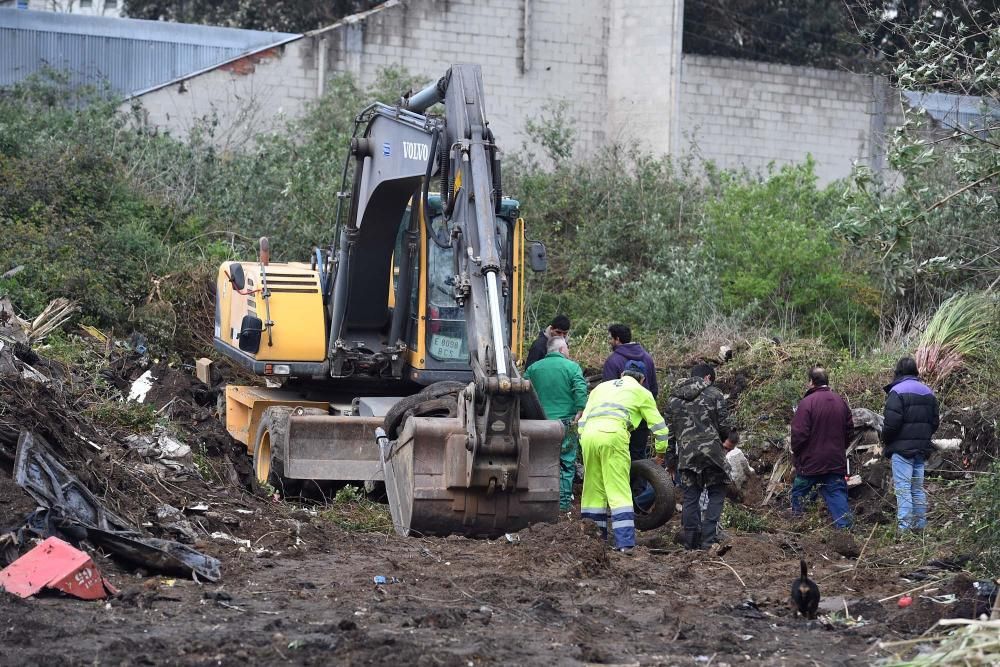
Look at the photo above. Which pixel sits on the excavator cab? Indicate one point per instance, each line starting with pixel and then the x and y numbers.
pixel 436 333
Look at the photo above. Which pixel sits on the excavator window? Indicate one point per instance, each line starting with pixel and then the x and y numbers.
pixel 445 318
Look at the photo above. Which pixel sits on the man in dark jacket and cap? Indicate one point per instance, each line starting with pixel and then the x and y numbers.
pixel 911 418
pixel 820 431
pixel 699 423
pixel 558 328
pixel 624 350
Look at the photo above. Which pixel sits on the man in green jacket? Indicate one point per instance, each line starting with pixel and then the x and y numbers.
pixel 562 391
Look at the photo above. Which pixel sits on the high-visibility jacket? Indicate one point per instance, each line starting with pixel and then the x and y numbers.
pixel 619 405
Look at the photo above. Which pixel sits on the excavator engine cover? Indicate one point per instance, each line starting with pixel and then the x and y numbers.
pixel 426 481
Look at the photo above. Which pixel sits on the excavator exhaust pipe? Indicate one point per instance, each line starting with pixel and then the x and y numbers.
pixel 427 485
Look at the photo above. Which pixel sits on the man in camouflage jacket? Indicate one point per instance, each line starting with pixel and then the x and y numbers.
pixel 699 422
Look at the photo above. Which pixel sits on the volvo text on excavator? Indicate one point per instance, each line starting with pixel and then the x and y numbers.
pixel 391 355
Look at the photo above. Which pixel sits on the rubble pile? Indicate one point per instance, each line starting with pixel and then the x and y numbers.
pixel 152 499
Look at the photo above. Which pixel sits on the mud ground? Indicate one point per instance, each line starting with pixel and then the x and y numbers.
pixel 297 588
pixel 303 593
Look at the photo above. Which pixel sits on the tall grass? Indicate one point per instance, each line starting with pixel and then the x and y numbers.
pixel 963 328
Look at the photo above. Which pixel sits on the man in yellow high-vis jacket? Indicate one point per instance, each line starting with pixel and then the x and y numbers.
pixel 613 410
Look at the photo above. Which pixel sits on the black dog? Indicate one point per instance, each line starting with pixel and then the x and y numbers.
pixel 805 593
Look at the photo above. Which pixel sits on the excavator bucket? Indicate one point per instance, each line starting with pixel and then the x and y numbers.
pixel 426 480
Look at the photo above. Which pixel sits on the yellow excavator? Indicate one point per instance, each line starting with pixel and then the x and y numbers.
pixel 389 357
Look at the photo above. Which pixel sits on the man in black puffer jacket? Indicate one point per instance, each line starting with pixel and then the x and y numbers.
pixel 911 418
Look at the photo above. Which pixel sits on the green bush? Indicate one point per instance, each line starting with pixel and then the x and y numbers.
pixel 983 532
pixel 772 246
pixel 621 230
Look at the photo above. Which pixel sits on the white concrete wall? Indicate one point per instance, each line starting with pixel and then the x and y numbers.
pixel 91 8
pixel 740 113
pixel 560 56
pixel 257 93
pixel 643 72
pixel 615 63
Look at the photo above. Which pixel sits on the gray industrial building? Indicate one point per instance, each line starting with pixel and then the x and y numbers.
pixel 131 55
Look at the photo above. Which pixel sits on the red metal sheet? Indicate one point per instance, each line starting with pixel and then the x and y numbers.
pixel 55 564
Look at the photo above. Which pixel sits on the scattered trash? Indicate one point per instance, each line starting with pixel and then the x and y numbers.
pixel 57 565
pixel 646 591
pixel 52 486
pixel 156 554
pixel 380 579
pixel 226 537
pixel 172 519
pixel 986 594
pixel 245 545
pixel 905 601
pixel 946 444
pixel 137 342
pixel 162 449
pixel 75 509
pixel 141 387
pixel 949 598
pixel 32 375
pixel 512 538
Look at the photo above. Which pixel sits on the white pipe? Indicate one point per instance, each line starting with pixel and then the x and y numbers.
pixel 321 68
pixel 496 323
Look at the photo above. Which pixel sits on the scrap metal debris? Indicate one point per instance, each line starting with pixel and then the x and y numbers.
pixel 38 472
pixel 57 565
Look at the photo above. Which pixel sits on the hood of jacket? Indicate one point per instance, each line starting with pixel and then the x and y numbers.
pixel 631 351
pixel 688 389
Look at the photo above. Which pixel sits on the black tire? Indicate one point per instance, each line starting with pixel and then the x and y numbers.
pixel 268 464
pixel 646 470
pixel 425 404
pixel 443 388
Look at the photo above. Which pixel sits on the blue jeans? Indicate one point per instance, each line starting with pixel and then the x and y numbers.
pixel 911 501
pixel 832 487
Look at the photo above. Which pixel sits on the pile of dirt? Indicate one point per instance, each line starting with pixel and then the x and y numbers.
pixel 203 501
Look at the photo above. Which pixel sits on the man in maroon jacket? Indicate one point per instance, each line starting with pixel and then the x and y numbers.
pixel 820 429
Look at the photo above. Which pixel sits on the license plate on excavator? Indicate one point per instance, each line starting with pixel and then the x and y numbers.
pixel 446 347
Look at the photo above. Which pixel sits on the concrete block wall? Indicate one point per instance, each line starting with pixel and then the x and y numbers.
pixel 615 63
pixel 532 52
pixel 254 94
pixel 643 71
pixel 740 113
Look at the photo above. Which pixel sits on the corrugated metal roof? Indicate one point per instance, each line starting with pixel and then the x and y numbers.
pixel 955 111
pixel 130 54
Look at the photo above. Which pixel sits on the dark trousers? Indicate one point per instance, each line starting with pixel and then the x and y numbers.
pixel 702 531
pixel 638 442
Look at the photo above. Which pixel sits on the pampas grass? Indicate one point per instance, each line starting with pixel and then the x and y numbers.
pixel 963 328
